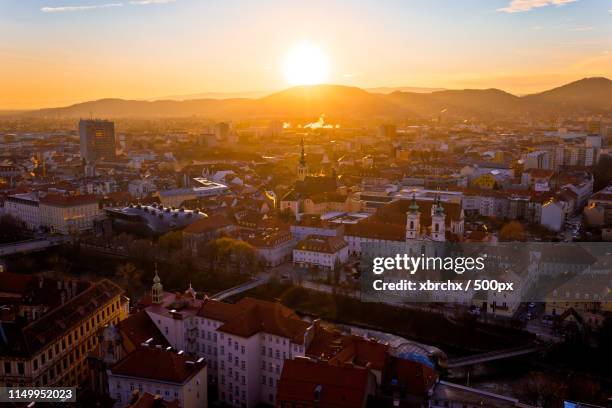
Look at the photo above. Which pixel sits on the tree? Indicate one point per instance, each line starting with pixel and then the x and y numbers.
pixel 227 254
pixel 171 241
pixel 543 390
pixel 130 277
pixel 513 231
pixel 11 228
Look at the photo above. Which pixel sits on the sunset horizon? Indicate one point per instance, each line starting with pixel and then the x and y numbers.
pixel 98 49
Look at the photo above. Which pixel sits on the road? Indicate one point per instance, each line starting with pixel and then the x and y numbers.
pixel 32 245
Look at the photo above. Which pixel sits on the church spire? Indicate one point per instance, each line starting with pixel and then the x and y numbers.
pixel 303 155
pixel 439 208
pixel 414 207
pixel 157 289
pixel 302 169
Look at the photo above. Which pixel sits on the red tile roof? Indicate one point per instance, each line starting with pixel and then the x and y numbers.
pixel 69 200
pixel 156 364
pixel 337 348
pixel 14 283
pixel 147 400
pixel 377 230
pixel 321 243
pixel 251 316
pixel 206 224
pixel 260 316
pixel 319 384
pixel 138 328
pixel 395 212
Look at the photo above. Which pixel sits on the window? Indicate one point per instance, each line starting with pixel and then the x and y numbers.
pixel 243 349
pixel 20 368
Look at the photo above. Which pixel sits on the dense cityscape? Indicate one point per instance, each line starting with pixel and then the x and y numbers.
pixel 227 254
pixel 321 243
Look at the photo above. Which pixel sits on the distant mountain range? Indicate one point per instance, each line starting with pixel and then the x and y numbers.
pixel 589 95
pixel 261 94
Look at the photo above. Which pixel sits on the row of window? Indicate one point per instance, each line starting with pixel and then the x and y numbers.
pixel 86 329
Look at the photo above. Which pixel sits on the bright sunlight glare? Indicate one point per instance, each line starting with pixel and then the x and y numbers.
pixel 306 64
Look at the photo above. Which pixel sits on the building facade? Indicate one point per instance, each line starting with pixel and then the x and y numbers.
pixel 97 140
pixel 51 327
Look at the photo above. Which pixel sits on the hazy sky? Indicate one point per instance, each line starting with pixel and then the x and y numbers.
pixel 56 52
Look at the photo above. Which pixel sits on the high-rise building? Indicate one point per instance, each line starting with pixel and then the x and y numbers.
pixel 97 139
pixel 222 130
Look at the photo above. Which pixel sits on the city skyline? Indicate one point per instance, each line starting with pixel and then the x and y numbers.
pixel 97 49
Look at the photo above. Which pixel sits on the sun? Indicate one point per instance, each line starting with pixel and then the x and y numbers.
pixel 306 64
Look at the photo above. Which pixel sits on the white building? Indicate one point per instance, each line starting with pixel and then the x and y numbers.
pixel 322 251
pixel 273 246
pixel 244 344
pixel 159 372
pixel 141 188
pixel 24 207
pixel 69 214
pixel 314 225
pixel 202 188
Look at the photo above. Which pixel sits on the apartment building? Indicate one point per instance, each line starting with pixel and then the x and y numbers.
pixel 61 214
pixel 157 371
pixel 69 214
pixel 50 325
pixel 599 208
pixel 24 207
pixel 321 251
pixel 244 344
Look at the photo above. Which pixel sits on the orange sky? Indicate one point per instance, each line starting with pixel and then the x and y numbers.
pixel 56 53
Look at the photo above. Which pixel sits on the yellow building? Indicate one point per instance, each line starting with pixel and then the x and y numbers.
pixel 52 326
pixel 588 296
pixel 69 214
pixel 486 181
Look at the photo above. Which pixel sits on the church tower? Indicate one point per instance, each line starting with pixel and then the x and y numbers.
pixel 302 169
pixel 438 221
pixel 413 220
pixel 157 290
